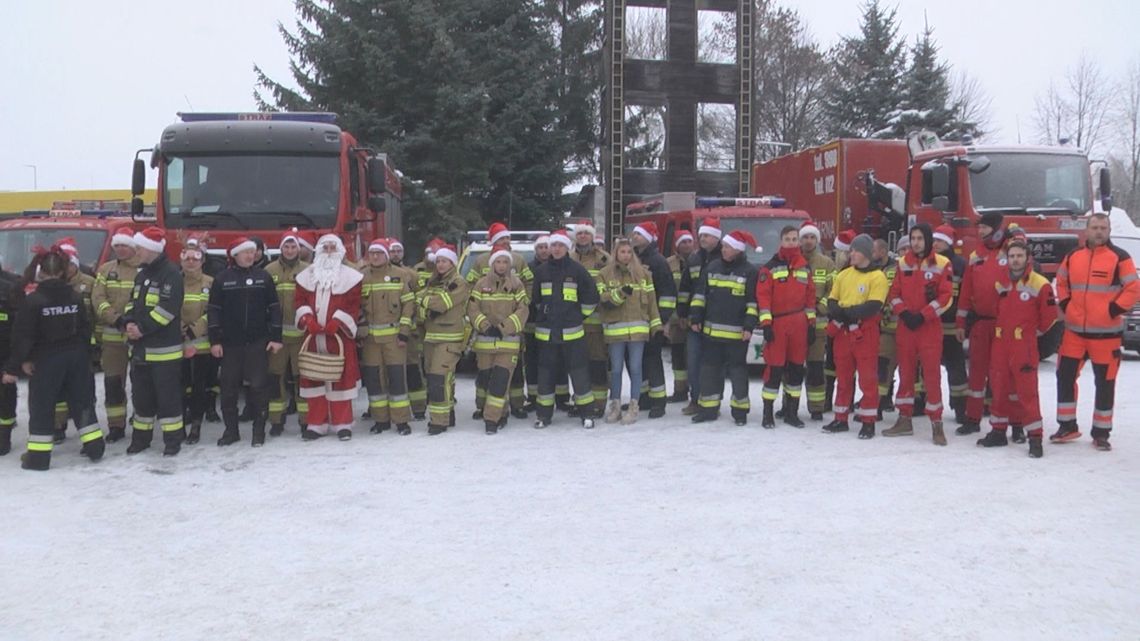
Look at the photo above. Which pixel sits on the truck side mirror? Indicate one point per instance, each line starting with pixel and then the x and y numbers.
pixel 377 176
pixel 1105 189
pixel 138 177
pixel 940 180
pixel 377 204
pixel 136 207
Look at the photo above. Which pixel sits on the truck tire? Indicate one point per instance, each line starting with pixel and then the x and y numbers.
pixel 1050 342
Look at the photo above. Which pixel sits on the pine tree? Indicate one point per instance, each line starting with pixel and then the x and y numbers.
pixel 927 98
pixel 461 95
pixel 866 85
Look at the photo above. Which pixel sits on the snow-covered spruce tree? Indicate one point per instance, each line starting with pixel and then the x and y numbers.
pixel 866 85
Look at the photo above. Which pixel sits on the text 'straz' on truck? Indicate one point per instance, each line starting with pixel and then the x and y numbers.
pixel 761 216
pixel 91 224
pixel 259 174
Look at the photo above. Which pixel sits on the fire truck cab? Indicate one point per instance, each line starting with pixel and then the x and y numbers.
pixel 259 174
pixel 90 228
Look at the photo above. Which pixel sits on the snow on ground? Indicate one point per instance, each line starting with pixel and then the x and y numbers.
pixel 662 530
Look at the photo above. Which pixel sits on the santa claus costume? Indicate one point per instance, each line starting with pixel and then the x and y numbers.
pixel 328 303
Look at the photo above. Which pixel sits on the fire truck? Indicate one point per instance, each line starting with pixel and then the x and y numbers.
pixel 91 224
pixel 228 175
pixel 883 187
pixel 763 217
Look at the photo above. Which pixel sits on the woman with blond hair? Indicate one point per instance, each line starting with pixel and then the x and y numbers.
pixel 629 315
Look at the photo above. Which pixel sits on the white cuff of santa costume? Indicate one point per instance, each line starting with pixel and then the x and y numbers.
pixel 347 321
pixel 302 312
pixel 331 394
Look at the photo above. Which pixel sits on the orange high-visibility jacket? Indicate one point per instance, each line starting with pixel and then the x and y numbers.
pixel 1096 287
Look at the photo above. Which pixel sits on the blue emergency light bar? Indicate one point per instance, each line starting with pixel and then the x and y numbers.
pixel 287 116
pixel 760 201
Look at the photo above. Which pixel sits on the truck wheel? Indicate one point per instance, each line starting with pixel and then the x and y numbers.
pixel 1050 342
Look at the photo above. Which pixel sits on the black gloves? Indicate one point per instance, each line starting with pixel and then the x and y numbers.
pixel 403 338
pixel 840 315
pixel 913 320
pixel 493 331
pixel 661 339
pixel 811 332
pixel 1115 310
pixel 434 314
pixel 1064 305
pixel 627 290
pixel 769 334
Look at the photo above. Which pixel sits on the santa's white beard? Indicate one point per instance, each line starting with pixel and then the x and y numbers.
pixel 326 267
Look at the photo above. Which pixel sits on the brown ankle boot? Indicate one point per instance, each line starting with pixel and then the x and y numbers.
pixel 939 435
pixel 902 427
pixel 691 409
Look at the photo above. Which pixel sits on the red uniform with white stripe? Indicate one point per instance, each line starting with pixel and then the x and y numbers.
pixel 924 286
pixel 1025 310
pixel 977 296
pixel 325 312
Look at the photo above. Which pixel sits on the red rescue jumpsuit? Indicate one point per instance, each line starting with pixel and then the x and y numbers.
pixel 924 286
pixel 785 297
pixel 978 301
pixel 1025 310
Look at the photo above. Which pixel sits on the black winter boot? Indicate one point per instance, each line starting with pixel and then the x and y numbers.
pixel 60 435
pixel 995 438
pixel 1100 439
pixel 94 449
pixel 491 427
pixel 1067 431
pixel 867 431
pixel 656 407
pixel 140 440
pixel 403 429
pixel 229 437
pixel 836 426
pixel 344 434
pixel 519 412
pixel 379 427
pixel 212 408
pixel 451 418
pixel 1017 434
pixel 767 421
pixel 172 442
pixel 258 435
pixel 5 440
pixel 195 434
pixel 436 430
pixel 277 429
pixel 247 413
pixel 740 417
pixel 792 411
pixel 968 427
pixel 1035 448
pixel 39 461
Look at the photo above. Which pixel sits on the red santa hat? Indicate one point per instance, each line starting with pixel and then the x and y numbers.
pixel 293 234
pixel 710 226
pixel 151 238
pixel 394 243
pixel 124 236
pixel 843 240
pixel 502 250
pixel 945 233
pixel 241 244
pixel 497 232
pixel 448 252
pixel 683 236
pixel 542 240
pixel 378 245
pixel 560 237
pixel 740 240
pixel 67 245
pixel 585 225
pixel 809 229
pixel 647 230
pixel 307 239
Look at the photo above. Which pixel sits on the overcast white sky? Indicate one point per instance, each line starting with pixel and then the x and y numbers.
pixel 86 83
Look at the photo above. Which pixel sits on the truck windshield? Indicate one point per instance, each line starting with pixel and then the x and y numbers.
pixel 251 191
pixel 1035 182
pixel 765 230
pixel 16 245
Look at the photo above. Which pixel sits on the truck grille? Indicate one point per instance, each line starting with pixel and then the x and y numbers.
pixel 1051 249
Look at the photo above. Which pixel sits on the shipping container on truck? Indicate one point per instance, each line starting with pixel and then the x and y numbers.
pixel 829 182
pixel 259 174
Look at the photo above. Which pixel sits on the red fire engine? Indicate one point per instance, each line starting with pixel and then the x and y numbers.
pixel 258 174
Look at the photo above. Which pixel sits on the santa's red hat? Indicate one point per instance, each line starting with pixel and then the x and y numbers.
pixel 843 240
pixel 151 238
pixel 542 240
pixel 647 230
pixel 378 245
pixel 681 237
pixel 502 250
pixel 497 232
pixel 945 233
pixel 308 239
pixel 293 234
pixel 740 240
pixel 710 226
pixel 560 237
pixel 585 225
pixel 124 236
pixel 809 229
pixel 448 252
pixel 241 244
pixel 394 243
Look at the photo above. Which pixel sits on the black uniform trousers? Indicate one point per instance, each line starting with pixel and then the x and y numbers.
pixel 244 362
pixel 156 394
pixel 65 374
pixel 652 393
pixel 199 375
pixel 722 359
pixel 568 358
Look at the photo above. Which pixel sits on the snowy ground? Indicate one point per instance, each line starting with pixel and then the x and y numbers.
pixel 662 530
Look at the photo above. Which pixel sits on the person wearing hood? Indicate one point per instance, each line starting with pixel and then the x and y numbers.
pixel 653 391
pixel 709 236
pixel 921 293
pixel 785 296
pixel 953 356
pixel 854 310
pixel 1025 310
pixel 725 312
pixel 284 273
pixel 977 313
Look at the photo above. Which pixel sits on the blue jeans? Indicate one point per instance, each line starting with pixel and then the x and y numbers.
pixel 693 358
pixel 618 360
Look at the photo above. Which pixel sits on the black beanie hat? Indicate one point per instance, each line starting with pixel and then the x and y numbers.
pixel 991 219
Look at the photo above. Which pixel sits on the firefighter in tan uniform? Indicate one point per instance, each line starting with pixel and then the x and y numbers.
pixel 822 269
pixel 199 367
pixel 388 305
pixel 594 258
pixel 284 272
pixel 441 306
pixel 498 309
pixel 114 282
pixel 417 388
pixel 83 285
pixel 678 326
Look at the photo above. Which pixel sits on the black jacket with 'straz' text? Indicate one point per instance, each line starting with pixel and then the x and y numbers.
pixel 51 319
pixel 243 307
